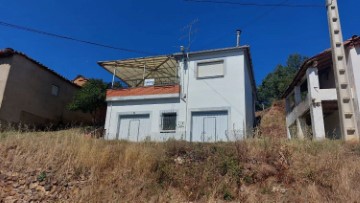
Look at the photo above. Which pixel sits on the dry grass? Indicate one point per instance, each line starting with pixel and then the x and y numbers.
pixel 272 122
pixel 259 170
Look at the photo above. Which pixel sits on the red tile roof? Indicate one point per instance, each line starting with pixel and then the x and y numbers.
pixel 80 80
pixel 140 91
pixel 355 40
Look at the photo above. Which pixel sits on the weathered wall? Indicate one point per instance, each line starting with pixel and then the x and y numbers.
pixel 328 93
pixel 28 98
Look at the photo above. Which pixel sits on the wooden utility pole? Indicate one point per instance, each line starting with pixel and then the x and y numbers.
pixel 344 92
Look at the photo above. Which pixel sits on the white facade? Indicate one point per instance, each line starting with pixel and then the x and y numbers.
pixel 311 100
pixel 354 63
pixel 215 102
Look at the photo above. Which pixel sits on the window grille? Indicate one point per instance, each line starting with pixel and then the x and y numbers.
pixel 168 121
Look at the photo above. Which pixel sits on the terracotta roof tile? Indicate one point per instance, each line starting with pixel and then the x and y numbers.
pixel 139 91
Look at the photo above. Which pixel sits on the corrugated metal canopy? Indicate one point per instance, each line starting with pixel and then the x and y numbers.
pixel 133 71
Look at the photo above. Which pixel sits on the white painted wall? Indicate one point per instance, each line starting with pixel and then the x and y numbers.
pixel 354 62
pixel 154 107
pixel 223 93
pixel 210 94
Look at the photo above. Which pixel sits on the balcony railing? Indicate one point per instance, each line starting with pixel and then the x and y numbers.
pixel 160 81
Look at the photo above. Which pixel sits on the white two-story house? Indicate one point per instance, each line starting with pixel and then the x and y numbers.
pixel 203 96
pixel 311 98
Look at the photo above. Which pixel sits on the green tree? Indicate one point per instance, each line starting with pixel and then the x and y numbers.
pixel 276 82
pixel 90 98
pixel 117 84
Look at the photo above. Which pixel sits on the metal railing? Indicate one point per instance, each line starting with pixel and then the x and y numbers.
pixel 163 81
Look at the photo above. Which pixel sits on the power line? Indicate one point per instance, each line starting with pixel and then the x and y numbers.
pixel 19 27
pixel 258 4
pixel 257 18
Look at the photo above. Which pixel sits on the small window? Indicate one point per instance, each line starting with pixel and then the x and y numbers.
pixel 54 90
pixel 210 69
pixel 168 121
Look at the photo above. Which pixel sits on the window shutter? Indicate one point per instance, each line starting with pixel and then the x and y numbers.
pixel 210 69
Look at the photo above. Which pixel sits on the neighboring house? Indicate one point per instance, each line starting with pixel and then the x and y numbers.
pixel 311 99
pixel 80 80
pixel 31 93
pixel 204 96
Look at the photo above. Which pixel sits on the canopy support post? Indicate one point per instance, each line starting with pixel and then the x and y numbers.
pixel 144 73
pixel 113 79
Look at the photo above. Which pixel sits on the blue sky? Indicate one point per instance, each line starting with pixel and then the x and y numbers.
pixel 157 26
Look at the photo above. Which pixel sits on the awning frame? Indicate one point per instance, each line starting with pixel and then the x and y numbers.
pixel 134 71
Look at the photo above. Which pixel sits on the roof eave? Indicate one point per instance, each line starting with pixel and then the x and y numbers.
pixel 12 52
pixel 252 75
pixel 354 41
pixel 228 49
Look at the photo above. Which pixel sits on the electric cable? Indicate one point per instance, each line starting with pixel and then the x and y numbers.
pixel 28 29
pixel 258 4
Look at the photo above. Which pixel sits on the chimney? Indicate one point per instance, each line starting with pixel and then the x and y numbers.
pixel 238 33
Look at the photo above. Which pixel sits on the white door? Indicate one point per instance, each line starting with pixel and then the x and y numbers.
pixel 133 127
pixel 209 129
pixel 209 126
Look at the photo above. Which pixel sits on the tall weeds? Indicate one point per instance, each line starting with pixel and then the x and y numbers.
pixel 255 170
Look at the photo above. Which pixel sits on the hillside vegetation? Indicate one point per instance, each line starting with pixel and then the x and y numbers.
pixel 273 122
pixel 65 166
